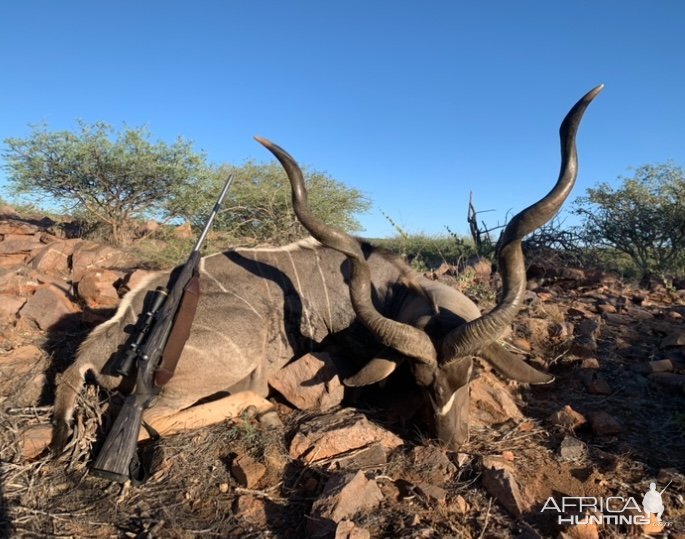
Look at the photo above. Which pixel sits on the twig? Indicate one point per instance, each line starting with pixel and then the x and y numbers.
pixel 487 518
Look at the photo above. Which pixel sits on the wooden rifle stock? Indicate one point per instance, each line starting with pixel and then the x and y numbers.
pixel 117 459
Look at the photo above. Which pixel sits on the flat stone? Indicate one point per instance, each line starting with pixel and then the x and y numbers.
pixel 334 436
pixel 34 440
pixel 343 496
pixel 54 257
pixel 347 529
pixel 9 307
pixel 310 382
pixel 491 401
pixel 47 307
pixel 23 245
pixel 500 482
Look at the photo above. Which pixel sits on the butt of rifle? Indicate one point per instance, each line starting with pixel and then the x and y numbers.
pixel 119 450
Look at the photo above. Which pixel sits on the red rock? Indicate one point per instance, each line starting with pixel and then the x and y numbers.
pixel 589 363
pixel 337 434
pixel 23 245
pixel 567 417
pixel 247 471
pixel 54 257
pixel 432 465
pixel 500 482
pixel 252 509
pixel 184 232
pixel 47 307
pixel 90 255
pixel 347 529
pixel 11 261
pixel 604 424
pixel 12 226
pixel 96 287
pixel 310 382
pixel 343 496
pixel 34 440
pixel 20 361
pixel 9 307
pixel 491 401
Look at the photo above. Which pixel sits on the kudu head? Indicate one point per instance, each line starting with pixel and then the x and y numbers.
pixel 441 346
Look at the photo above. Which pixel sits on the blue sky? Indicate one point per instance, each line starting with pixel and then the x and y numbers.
pixel 413 103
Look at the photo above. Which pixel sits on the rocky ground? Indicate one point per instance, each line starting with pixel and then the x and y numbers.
pixel 355 466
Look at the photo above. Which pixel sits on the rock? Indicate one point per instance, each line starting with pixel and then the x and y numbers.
pixel 9 307
pixel 46 307
pixel 90 255
pixel 606 308
pixel 19 245
pixel 28 392
pixel 676 338
pixel 589 363
pixel 7 212
pixel 247 471
pixel 567 417
pixel 96 287
pixel 252 509
pixel 594 382
pixel 500 482
pixel 432 465
pixel 571 448
pixel 11 261
pixel 347 529
pixel 310 382
pixel 54 257
pixel 432 493
pixel 491 401
pixel 20 361
pixel 331 436
pixel 521 344
pixel 460 504
pixel 184 232
pixel 372 456
pixel 343 496
pixel 604 424
pixel 585 340
pixel 661 365
pixel 34 440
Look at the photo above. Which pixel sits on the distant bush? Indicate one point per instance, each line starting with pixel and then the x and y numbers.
pixel 644 217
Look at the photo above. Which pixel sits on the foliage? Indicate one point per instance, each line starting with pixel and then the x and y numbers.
pixel 427 252
pixel 111 177
pixel 644 218
pixel 258 206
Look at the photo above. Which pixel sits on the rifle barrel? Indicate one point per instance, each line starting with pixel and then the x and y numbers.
pixel 213 214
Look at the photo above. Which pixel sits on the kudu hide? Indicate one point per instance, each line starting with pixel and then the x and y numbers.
pixel 260 308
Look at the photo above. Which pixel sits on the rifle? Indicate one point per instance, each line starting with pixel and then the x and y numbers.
pixel 162 330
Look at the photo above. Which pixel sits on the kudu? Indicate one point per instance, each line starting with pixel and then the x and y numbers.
pixel 260 308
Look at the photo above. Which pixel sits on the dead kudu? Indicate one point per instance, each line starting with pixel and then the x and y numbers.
pixel 260 308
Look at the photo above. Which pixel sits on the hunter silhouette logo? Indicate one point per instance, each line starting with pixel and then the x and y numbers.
pixel 652 503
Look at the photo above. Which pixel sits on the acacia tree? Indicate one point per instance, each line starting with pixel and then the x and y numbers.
pixel 258 206
pixel 112 177
pixel 644 217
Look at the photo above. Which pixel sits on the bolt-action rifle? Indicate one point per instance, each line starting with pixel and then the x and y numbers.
pixel 161 332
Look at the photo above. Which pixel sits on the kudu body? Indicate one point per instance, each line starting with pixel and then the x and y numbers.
pixel 260 308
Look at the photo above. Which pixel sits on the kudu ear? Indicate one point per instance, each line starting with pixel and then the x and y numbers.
pixel 379 368
pixel 511 366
